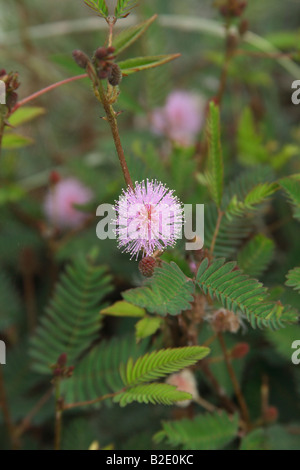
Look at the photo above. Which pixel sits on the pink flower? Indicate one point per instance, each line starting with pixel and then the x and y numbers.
pixel 59 203
pixel 181 118
pixel 185 382
pixel 148 218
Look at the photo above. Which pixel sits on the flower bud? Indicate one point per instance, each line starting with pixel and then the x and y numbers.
pixel 240 350
pixel 147 265
pixel 271 414
pixel 80 58
pixel 115 77
pixel 62 360
pixel 54 177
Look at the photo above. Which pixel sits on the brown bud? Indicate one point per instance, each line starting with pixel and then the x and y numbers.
pixel 54 177
pixel 11 100
pixel 147 265
pixel 101 53
pixel 271 414
pixel 104 72
pixel 80 58
pixel 57 372
pixel 243 27
pixel 240 350
pixel 62 360
pixel 115 77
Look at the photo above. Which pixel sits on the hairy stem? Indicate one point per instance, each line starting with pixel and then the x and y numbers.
pixel 90 402
pixel 58 415
pixel 46 89
pixel 235 383
pixel 216 232
pixel 112 121
pixel 6 413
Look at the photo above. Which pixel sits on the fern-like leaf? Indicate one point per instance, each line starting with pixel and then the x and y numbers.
pixel 72 320
pixel 292 188
pixel 98 373
pixel 256 255
pixel 155 393
pixel 168 291
pixel 99 6
pixel 158 364
pixel 238 292
pixel 254 198
pixel 293 279
pixel 124 7
pixel 204 432
pixel 216 174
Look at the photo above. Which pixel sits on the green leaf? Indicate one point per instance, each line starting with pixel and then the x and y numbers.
pixel 12 141
pixel 158 364
pixel 129 36
pixel 256 196
pixel 124 7
pixel 168 291
pixel 204 432
pixel 256 255
pixel 238 292
pixel 251 149
pixel 162 394
pixel 123 309
pixel 283 339
pixel 147 326
pixel 11 193
pixel 292 189
pixel 25 114
pixel 75 308
pixel 137 64
pixel 98 372
pixel 99 6
pixel 272 438
pixel 216 166
pixel 293 279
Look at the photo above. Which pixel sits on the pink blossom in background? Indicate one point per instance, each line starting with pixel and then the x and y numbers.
pixel 59 202
pixel 184 381
pixel 181 118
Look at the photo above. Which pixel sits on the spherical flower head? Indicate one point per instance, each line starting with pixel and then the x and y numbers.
pixel 59 203
pixel 225 320
pixel 181 118
pixel 185 382
pixel 148 218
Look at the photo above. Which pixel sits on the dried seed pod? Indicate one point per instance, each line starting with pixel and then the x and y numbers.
pixel 115 77
pixel 80 58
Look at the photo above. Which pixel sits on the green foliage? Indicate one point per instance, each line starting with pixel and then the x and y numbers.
pixel 238 292
pixel 123 309
pixel 204 432
pixel 99 6
pixel 283 339
pixel 256 255
pixel 124 7
pixel 162 394
pixel 147 326
pixel 124 39
pixel 138 64
pixel 25 114
pixel 75 308
pixel 249 141
pixel 168 291
pixel 293 278
pixel 98 373
pixel 13 141
pixel 216 174
pixel 272 438
pixel 256 196
pixel 291 187
pixel 158 364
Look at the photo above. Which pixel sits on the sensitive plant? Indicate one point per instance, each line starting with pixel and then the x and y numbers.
pixel 179 334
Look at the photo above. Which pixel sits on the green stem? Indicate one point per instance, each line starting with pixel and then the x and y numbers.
pixel 235 383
